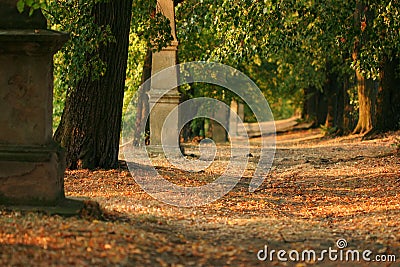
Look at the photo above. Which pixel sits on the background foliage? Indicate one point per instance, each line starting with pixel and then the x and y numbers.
pixel 285 46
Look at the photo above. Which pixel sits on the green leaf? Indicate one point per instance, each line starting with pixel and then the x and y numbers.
pixel 21 6
pixel 43 5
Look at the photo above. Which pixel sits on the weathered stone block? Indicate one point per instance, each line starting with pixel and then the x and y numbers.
pixel 31 175
pixel 31 164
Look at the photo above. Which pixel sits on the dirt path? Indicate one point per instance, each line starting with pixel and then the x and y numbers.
pixel 318 192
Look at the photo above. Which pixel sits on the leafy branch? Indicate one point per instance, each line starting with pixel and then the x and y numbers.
pixel 32 5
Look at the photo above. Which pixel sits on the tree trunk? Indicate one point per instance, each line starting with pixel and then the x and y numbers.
pixel 345 122
pixel 314 107
pixel 379 101
pixel 339 107
pixel 330 93
pixel 337 119
pixel 91 121
pixel 366 99
pixel 388 101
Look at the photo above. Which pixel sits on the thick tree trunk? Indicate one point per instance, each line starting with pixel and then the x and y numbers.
pixel 337 119
pixel 91 121
pixel 339 107
pixel 366 99
pixel 345 122
pixel 330 91
pixel 388 101
pixel 379 101
pixel 314 107
pixel 330 117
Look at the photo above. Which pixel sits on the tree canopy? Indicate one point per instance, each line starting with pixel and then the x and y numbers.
pixel 331 59
pixel 302 44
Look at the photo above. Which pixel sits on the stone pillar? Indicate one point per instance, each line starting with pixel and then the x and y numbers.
pixel 167 57
pixel 240 111
pixel 238 108
pixel 219 134
pixel 31 163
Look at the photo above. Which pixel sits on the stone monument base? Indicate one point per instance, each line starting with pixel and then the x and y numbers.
pixel 31 175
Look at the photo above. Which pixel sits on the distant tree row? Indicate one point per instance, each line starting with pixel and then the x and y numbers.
pixel 340 57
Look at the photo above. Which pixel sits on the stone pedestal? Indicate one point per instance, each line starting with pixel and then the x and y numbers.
pixel 162 105
pixel 31 164
pixel 219 134
pixel 237 112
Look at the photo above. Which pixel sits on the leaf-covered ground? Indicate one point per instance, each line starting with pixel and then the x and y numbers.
pixel 319 190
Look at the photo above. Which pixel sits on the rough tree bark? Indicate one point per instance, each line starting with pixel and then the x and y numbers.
pixel 338 117
pixel 379 101
pixel 91 122
pixel 331 90
pixel 345 121
pixel 366 99
pixel 388 100
pixel 314 106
